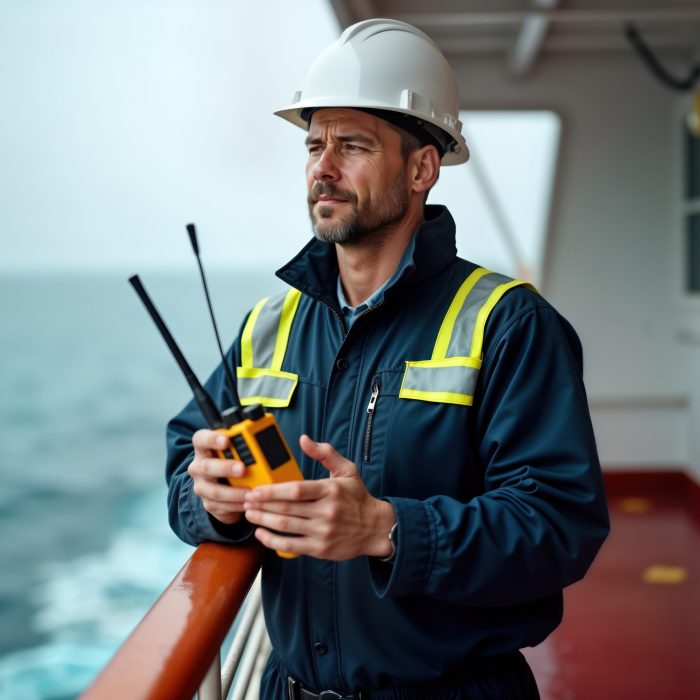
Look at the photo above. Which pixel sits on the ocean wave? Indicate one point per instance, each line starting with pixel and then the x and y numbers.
pixel 87 606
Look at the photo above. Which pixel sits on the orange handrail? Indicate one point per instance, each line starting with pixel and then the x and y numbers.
pixel 171 649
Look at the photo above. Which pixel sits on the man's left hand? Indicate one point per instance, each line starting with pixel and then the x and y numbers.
pixel 334 518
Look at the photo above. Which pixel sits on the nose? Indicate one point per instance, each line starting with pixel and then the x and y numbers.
pixel 325 168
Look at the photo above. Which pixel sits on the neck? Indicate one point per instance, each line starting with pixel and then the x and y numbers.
pixel 367 265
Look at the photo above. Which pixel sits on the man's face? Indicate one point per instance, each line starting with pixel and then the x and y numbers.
pixel 355 174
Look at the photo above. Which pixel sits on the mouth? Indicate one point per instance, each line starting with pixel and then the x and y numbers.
pixel 327 195
pixel 329 199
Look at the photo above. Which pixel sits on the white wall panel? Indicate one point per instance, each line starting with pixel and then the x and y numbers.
pixel 610 258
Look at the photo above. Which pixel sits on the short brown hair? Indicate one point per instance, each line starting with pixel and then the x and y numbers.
pixel 410 143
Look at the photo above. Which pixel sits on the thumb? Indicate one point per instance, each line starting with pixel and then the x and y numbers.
pixel 327 455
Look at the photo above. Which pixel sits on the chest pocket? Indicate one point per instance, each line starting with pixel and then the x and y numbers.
pixel 263 346
pixel 449 376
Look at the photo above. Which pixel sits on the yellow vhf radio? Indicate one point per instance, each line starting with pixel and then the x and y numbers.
pixel 260 445
pixel 256 439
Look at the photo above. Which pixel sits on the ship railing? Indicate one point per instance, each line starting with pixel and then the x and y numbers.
pixel 175 651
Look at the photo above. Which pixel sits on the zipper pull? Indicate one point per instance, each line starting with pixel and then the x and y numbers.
pixel 373 398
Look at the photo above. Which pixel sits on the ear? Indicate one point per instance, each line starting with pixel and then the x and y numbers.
pixel 424 168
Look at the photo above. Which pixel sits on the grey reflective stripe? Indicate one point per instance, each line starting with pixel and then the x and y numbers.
pixel 266 386
pixel 465 323
pixel 451 380
pixel 265 331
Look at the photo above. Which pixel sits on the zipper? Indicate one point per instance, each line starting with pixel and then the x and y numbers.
pixel 337 315
pixel 370 419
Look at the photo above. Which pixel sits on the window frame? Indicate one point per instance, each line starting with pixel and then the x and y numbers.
pixel 685 207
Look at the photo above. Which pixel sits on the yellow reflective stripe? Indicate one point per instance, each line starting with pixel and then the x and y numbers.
pixel 453 379
pixel 442 341
pixel 253 372
pixel 432 367
pixel 291 301
pixel 437 396
pixel 267 401
pixel 279 400
pixel 485 310
pixel 447 362
pixel 247 336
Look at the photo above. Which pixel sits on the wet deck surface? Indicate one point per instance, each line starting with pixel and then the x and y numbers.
pixel 632 627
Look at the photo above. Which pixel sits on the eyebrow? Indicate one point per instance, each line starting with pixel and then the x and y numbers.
pixel 357 138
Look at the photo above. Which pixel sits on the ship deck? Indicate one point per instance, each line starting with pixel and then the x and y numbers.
pixel 631 628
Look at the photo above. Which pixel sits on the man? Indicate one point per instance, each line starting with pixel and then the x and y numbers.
pixel 444 402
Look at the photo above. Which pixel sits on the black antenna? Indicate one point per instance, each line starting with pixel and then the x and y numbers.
pixel 204 401
pixel 231 382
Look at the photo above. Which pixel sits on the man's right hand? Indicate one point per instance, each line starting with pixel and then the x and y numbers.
pixel 222 501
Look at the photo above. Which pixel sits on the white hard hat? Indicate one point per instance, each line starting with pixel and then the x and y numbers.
pixel 384 64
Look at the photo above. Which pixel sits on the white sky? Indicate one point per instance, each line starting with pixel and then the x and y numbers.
pixel 123 120
pixel 517 153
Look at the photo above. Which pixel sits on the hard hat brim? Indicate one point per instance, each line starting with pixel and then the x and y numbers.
pixel 292 114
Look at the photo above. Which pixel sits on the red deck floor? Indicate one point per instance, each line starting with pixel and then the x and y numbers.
pixel 631 628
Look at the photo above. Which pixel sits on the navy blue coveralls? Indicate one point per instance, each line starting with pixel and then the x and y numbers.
pixel 499 504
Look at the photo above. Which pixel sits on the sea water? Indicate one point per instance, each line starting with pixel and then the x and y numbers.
pixel 86 387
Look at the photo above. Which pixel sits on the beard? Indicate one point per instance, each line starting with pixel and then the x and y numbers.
pixel 362 223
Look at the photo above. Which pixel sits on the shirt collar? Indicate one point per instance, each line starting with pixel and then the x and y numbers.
pixel 314 270
pixel 377 297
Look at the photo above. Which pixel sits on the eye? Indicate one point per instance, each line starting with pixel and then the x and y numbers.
pixel 354 148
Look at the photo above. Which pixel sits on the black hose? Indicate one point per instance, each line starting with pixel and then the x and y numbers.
pixel 647 55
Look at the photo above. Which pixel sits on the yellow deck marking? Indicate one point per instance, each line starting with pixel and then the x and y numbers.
pixel 635 505
pixel 660 574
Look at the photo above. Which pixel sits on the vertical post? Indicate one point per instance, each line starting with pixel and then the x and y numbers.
pixel 210 689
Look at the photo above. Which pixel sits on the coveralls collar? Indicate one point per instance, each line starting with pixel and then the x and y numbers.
pixel 350 313
pixel 314 270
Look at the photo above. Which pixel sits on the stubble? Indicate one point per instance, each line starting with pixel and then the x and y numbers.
pixel 361 224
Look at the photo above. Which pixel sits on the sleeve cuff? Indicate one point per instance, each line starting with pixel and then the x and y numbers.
pixel 239 532
pixel 415 551
pixel 215 531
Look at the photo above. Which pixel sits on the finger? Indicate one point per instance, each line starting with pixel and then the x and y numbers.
pixel 288 491
pixel 214 468
pixel 284 524
pixel 282 543
pixel 210 440
pixel 327 455
pixel 219 493
pixel 305 509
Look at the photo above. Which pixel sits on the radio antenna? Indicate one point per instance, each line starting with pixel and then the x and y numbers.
pixel 229 376
pixel 204 401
